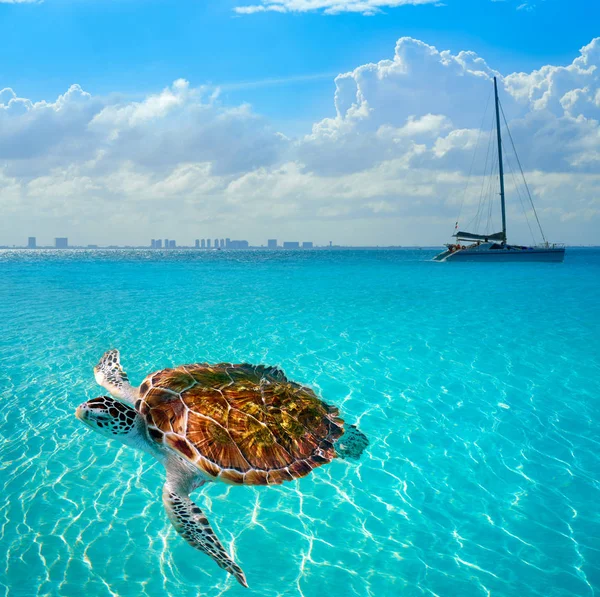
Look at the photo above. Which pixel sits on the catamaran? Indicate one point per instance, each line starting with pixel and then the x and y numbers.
pixel 493 247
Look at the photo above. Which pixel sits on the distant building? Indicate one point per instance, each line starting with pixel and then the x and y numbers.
pixel 307 245
pixel 291 245
pixel 31 243
pixel 158 243
pixel 172 244
pixel 197 244
pixel 166 243
pixel 216 243
pixel 222 243
pixel 227 243
pixel 62 242
pixel 92 246
pixel 202 244
pixel 208 243
pixel 272 243
pixel 237 244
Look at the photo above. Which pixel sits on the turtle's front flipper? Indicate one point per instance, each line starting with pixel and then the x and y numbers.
pixel 110 375
pixel 189 521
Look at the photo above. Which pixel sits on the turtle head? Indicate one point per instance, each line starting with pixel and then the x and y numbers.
pixel 108 417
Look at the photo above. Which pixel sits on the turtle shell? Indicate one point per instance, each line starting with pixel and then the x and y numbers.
pixel 242 424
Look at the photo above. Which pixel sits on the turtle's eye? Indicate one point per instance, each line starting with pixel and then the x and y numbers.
pixel 96 406
pixel 99 403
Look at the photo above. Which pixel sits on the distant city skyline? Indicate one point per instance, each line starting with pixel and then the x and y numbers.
pixel 271 244
pixel 172 244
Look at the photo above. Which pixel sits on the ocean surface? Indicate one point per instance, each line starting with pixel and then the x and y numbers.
pixel 478 386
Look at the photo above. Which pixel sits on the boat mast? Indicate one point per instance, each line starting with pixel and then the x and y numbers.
pixel 500 165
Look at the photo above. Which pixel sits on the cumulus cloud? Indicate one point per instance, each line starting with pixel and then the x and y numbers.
pixel 563 90
pixel 398 103
pixel 366 7
pixel 437 99
pixel 177 125
pixel 391 166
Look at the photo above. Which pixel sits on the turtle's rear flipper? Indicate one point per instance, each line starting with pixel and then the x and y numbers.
pixel 189 521
pixel 352 443
pixel 110 375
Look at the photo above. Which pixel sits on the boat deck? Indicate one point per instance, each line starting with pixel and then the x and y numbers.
pixel 510 253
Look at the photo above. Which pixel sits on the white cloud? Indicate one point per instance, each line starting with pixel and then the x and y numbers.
pixel 458 139
pixel 253 9
pixel 390 167
pixel 177 125
pixel 570 90
pixel 553 110
pixel 366 7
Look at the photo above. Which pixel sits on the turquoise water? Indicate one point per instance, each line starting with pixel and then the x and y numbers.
pixel 479 387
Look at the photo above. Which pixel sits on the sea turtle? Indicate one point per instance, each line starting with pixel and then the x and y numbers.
pixel 238 424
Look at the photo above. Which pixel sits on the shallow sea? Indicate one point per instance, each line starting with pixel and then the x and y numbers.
pixel 478 386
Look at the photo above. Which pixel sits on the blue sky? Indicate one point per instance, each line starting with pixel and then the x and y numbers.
pixel 275 74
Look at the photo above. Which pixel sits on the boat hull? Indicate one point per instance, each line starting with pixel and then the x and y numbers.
pixel 534 254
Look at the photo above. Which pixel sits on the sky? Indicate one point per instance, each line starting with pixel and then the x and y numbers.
pixel 361 122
